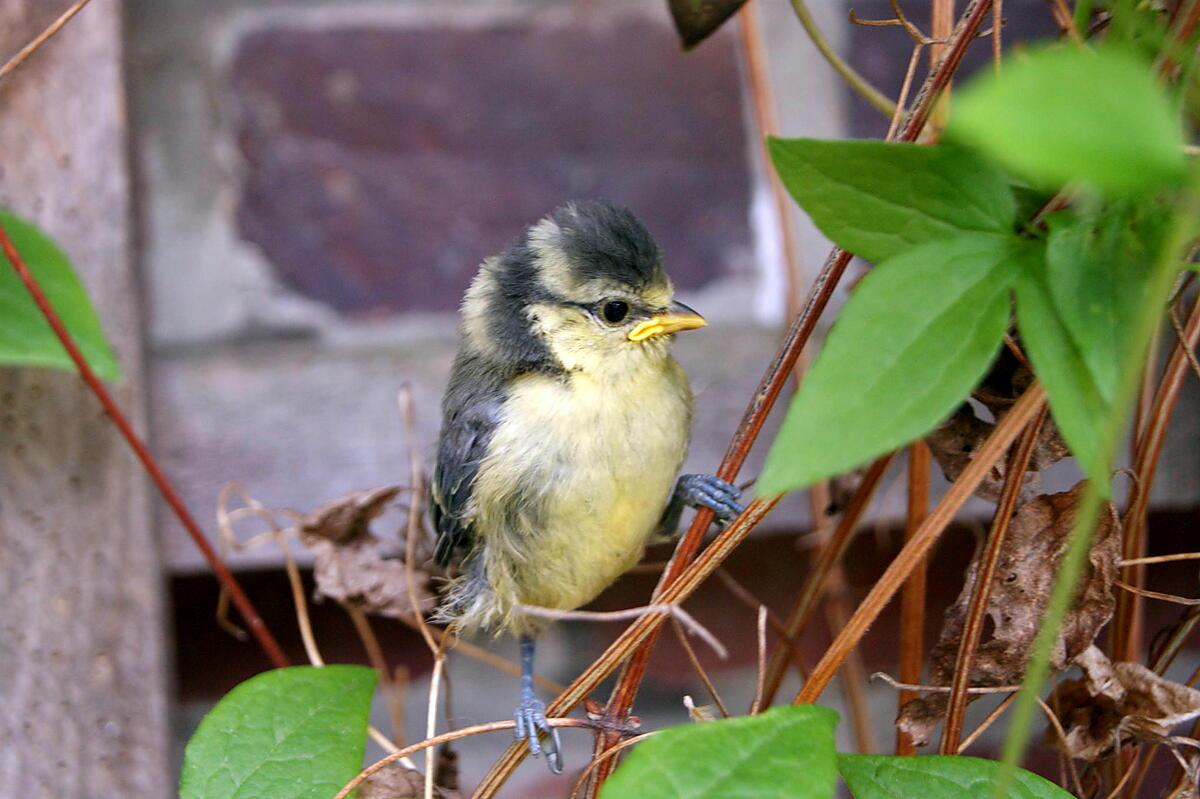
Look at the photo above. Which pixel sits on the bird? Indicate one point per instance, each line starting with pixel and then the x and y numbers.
pixel 565 423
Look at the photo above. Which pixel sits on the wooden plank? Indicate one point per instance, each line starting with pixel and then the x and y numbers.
pixel 83 707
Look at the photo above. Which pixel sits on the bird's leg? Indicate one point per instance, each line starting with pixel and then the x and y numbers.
pixel 700 491
pixel 531 713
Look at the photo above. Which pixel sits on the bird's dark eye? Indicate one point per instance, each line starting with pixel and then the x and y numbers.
pixel 615 311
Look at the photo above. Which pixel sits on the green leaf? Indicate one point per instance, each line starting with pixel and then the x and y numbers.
pixel 785 752
pixel 26 338
pixel 878 200
pixel 936 777
pixel 1076 401
pixel 1097 270
pixel 915 337
pixel 298 732
pixel 1066 114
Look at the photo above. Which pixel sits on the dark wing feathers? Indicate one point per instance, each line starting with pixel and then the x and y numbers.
pixel 471 414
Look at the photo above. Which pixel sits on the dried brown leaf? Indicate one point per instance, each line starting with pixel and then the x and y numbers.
pixel 1025 573
pixel 954 444
pixel 398 782
pixel 350 563
pixel 1120 702
pixel 350 516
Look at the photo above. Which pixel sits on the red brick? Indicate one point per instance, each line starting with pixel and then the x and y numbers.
pixel 382 164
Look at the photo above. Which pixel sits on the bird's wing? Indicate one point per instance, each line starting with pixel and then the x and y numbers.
pixel 466 432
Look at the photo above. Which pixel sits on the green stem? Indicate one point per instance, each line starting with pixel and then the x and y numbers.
pixel 1083 15
pixel 857 82
pixel 1096 491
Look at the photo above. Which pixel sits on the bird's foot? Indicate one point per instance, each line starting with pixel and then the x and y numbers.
pixel 710 491
pixel 531 723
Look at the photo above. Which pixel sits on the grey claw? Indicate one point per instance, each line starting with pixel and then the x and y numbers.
pixel 530 724
pixel 554 752
pixel 519 732
pixel 710 491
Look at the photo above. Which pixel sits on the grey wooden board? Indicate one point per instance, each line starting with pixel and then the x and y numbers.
pixel 83 708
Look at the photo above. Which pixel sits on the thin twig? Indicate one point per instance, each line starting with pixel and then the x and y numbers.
pixel 756 705
pixel 1052 717
pixel 941 689
pixel 912 596
pixel 1181 336
pixel 994 447
pixel 43 37
pixel 674 611
pixel 257 626
pixel 854 80
pixel 435 682
pixel 1146 592
pixel 1160 559
pixel 997 25
pixel 447 737
pixel 996 713
pixel 699 669
pixel 985 572
pixel 905 88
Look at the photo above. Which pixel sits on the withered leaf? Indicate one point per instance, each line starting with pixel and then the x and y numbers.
pixel 1118 702
pixel 398 782
pixel 349 561
pixel 954 444
pixel 696 20
pixel 350 516
pixel 1025 573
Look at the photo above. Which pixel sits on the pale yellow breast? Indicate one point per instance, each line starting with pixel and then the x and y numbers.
pixel 576 480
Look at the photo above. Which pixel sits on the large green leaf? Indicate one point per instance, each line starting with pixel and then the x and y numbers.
pixel 785 753
pixel 298 732
pixel 1075 400
pixel 915 337
pixel 26 338
pixel 936 777
pixel 1066 113
pixel 1097 270
pixel 878 200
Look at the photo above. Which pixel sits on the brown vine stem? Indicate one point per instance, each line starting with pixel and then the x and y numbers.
pixel 25 52
pixel 1125 645
pixel 997 443
pixel 1018 464
pixel 831 554
pixel 681 636
pixel 228 582
pixel 912 596
pixel 678 572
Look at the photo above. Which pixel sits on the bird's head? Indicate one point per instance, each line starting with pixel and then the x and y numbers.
pixel 583 290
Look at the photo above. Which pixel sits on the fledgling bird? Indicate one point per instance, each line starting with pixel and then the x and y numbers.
pixel 564 425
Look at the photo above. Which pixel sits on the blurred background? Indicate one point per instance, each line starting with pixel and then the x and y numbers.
pixel 276 207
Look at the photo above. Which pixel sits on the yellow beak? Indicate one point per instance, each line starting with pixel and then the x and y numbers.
pixel 676 318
